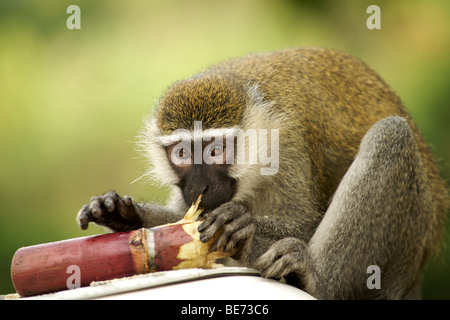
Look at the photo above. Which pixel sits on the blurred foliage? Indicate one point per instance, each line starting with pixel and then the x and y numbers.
pixel 72 101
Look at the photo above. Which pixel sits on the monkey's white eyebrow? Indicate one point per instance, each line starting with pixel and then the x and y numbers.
pixel 193 135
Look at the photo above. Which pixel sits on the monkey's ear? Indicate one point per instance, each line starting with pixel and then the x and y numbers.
pixel 159 169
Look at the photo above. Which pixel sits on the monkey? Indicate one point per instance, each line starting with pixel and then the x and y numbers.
pixel 353 183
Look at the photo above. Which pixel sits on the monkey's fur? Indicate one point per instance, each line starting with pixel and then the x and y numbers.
pixel 356 185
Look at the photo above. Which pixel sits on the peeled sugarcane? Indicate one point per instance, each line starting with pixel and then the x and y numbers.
pixel 46 268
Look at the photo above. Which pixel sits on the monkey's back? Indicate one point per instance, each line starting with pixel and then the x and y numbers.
pixel 338 95
pixel 331 100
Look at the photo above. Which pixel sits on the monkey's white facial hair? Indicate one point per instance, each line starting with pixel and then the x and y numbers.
pixel 251 160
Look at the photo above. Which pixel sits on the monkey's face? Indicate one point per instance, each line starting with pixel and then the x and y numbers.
pixel 202 168
pixel 193 119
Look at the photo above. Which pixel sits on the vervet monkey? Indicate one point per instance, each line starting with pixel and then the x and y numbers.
pixel 354 184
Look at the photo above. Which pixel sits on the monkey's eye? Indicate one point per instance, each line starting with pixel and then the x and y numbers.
pixel 215 150
pixel 180 154
pixel 214 153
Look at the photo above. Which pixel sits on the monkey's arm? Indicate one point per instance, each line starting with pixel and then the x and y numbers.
pixel 379 215
pixel 123 214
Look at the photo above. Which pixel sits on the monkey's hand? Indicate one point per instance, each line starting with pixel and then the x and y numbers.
pixel 286 256
pixel 111 211
pixel 234 221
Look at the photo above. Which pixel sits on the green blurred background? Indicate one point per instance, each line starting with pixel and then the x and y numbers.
pixel 72 101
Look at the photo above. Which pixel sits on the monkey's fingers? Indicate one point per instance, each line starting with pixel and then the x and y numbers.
pixel 126 209
pixel 84 216
pixel 110 210
pixel 107 203
pixel 208 229
pixel 216 220
pixel 233 233
pixel 90 213
pixel 112 202
pixel 219 217
pixel 95 207
pixel 283 257
pixel 279 268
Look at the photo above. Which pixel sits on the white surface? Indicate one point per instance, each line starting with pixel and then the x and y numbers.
pixel 188 284
pixel 223 288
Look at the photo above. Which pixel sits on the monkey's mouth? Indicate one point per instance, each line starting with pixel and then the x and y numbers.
pixel 209 203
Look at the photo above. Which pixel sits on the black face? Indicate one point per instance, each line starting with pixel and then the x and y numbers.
pixel 204 172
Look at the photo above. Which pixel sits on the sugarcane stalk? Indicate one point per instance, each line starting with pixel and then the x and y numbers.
pixel 46 268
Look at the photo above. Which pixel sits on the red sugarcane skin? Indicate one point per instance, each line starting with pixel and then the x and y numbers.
pixel 43 268
pixel 168 241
